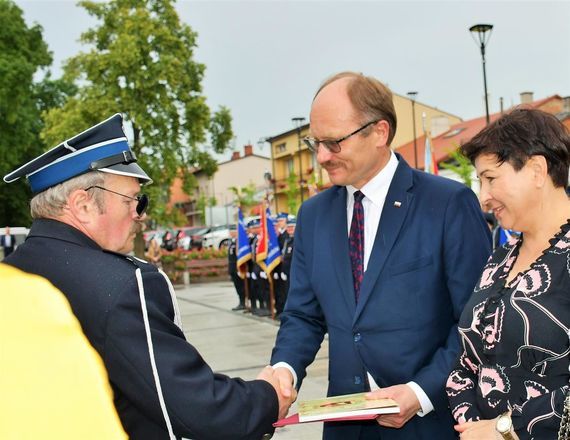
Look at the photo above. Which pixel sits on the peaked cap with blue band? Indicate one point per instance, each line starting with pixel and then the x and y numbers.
pixel 103 147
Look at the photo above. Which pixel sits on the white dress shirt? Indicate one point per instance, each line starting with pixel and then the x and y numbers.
pixel 375 192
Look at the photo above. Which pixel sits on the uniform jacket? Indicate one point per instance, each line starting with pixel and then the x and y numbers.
pixel 232 256
pixel 102 290
pixel 428 253
pixel 287 254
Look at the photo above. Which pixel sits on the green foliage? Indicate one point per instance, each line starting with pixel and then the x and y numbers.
pixel 459 165
pixel 207 254
pixel 292 192
pixel 204 202
pixel 189 183
pixel 246 196
pixel 23 55
pixel 141 63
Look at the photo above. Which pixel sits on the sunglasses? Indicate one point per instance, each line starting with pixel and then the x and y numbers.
pixel 142 200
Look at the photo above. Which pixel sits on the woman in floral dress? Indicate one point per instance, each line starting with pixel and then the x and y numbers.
pixel 511 378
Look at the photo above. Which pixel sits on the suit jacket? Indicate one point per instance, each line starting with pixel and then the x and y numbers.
pixel 7 249
pixel 426 259
pixel 102 290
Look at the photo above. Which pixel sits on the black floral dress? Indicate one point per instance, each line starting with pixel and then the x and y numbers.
pixel 516 342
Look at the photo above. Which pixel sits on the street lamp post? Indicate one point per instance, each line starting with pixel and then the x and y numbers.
pixel 412 96
pixel 481 34
pixel 298 121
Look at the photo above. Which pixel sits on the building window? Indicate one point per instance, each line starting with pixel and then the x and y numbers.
pixel 290 167
pixel 280 148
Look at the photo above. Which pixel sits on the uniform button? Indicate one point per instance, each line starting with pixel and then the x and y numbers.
pixel 266 436
pixel 357 380
pixel 357 337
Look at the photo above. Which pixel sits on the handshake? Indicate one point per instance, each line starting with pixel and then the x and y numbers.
pixel 282 381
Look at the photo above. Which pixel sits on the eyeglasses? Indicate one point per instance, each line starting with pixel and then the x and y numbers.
pixel 142 200
pixel 333 145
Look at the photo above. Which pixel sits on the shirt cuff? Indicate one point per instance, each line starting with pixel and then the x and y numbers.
pixel 425 403
pixel 290 368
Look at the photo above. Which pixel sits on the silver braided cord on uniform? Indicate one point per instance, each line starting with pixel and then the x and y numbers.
pixel 151 354
pixel 564 431
pixel 177 317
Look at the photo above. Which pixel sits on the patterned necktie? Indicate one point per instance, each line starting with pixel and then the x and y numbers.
pixel 356 243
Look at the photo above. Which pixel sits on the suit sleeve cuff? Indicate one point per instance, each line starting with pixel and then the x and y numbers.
pixel 290 368
pixel 425 403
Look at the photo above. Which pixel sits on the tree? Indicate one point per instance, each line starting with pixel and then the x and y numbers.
pixel 204 202
pixel 292 193
pixel 23 54
pixel 247 196
pixel 141 63
pixel 460 165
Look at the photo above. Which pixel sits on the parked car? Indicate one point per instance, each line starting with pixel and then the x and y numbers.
pixel 149 235
pixel 169 240
pixel 197 236
pixel 218 237
pixel 184 236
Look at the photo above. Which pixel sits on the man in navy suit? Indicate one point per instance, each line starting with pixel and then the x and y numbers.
pixel 7 242
pixel 389 294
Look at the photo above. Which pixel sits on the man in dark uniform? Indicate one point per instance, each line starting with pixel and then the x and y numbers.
pixel 87 210
pixel 287 257
pixel 258 275
pixel 233 271
pixel 258 280
pixel 280 284
pixel 252 229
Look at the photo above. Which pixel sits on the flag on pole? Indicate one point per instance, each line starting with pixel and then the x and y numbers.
pixel 261 250
pixel 242 246
pixel 430 164
pixel 268 251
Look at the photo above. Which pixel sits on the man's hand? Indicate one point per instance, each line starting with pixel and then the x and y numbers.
pixel 404 397
pixel 285 381
pixel 480 430
pixel 285 393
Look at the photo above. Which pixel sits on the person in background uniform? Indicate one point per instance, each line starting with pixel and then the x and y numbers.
pixel 87 209
pixel 279 283
pixel 7 241
pixel 287 257
pixel 259 277
pixel 233 271
pixel 252 233
pixel 54 385
pixel 384 262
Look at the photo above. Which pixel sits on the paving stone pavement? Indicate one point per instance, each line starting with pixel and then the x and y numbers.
pixel 239 344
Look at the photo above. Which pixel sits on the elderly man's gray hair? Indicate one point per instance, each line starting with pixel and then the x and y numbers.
pixel 50 203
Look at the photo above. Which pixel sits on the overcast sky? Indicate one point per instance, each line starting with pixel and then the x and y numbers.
pixel 265 59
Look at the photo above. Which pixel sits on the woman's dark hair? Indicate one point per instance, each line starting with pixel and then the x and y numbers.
pixel 523 133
